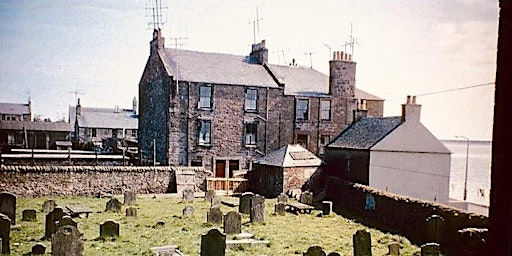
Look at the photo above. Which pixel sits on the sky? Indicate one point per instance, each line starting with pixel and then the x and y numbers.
pixel 50 49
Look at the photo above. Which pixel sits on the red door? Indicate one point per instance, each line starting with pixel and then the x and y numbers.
pixel 220 169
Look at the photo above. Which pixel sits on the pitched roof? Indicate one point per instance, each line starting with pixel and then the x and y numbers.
pixel 217 68
pixel 14 108
pixel 366 132
pixel 290 156
pixel 36 126
pixel 107 118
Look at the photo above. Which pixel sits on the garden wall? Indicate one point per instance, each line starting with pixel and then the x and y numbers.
pixel 35 181
pixel 457 232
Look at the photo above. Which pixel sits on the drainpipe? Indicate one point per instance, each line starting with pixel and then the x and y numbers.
pixel 266 121
pixel 318 127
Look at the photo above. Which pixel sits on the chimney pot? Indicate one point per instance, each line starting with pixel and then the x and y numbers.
pixel 413 99
pixel 408 99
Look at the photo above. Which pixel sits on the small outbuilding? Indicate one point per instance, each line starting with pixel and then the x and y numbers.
pixel 289 167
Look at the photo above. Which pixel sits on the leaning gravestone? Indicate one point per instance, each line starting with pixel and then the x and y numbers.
pixel 213 243
pixel 214 216
pixel 113 205
pixel 233 223
pixel 215 202
pixel 109 228
pixel 66 221
pixel 430 249
pixel 209 195
pixel 38 249
pixel 8 206
pixel 435 224
pixel 394 248
pixel 29 215
pixel 362 243
pixel 326 207
pixel 282 198
pixel 188 211
pixel 245 203
pixel 314 251
pixel 131 212
pixel 306 198
pixel 188 195
pixel 257 214
pixel 67 241
pixel 50 222
pixel 130 197
pixel 49 206
pixel 280 209
pixel 5 233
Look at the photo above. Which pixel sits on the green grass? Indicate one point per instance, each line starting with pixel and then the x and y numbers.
pixel 288 235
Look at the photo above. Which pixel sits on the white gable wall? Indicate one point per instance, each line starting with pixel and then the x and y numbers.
pixel 410 161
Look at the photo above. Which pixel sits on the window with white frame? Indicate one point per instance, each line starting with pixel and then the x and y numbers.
pixel 325 110
pixel 251 133
pixel 251 99
pixel 205 132
pixel 301 111
pixel 205 97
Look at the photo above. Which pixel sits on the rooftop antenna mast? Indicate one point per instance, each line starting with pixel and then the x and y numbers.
pixel 351 42
pixel 76 93
pixel 310 58
pixel 155 10
pixel 256 25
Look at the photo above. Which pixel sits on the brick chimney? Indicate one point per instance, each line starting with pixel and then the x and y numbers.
pixel 361 110
pixel 78 108
pixel 410 110
pixel 157 44
pixel 134 105
pixel 342 75
pixel 259 53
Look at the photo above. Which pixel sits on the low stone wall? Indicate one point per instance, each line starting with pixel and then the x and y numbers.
pixel 408 217
pixel 35 181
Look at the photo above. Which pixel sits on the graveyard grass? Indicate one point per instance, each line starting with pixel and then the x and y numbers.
pixel 288 235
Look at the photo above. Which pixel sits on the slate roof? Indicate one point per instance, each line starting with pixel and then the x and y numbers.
pixel 106 118
pixel 36 126
pixel 14 108
pixel 217 68
pixel 366 132
pixel 290 156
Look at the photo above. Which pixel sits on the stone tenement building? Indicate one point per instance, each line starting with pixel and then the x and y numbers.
pixel 221 111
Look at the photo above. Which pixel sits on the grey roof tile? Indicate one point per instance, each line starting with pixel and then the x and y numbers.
pixel 14 108
pixel 36 126
pixel 290 156
pixel 106 118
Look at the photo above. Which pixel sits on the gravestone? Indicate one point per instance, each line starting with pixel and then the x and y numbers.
pixel 280 209
pixel 430 249
pixel 188 195
pixel 109 228
pixel 50 222
pixel 333 254
pixel 188 211
pixel 66 221
pixel 113 205
pixel 233 223
pixel 159 224
pixel 29 215
pixel 306 198
pixel 245 203
pixel 210 194
pixel 131 212
pixel 394 248
pixel 8 206
pixel 38 249
pixel 282 198
pixel 215 202
pixel 314 251
pixel 214 216
pixel 257 214
pixel 67 241
pixel 213 243
pixel 130 197
pixel 295 193
pixel 435 224
pixel 5 233
pixel 48 206
pixel 326 207
pixel 362 243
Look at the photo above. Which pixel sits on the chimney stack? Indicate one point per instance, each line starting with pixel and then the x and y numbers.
pixel 78 108
pixel 342 75
pixel 158 42
pixel 259 54
pixel 410 110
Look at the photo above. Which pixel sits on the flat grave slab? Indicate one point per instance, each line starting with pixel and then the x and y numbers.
pixel 76 210
pixel 231 202
pixel 168 250
pixel 297 207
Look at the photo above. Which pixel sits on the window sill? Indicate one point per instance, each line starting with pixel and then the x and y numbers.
pixel 251 146
pixel 205 145
pixel 255 111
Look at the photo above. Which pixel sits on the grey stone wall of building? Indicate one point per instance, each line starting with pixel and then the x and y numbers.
pixel 375 108
pixel 351 165
pixel 36 181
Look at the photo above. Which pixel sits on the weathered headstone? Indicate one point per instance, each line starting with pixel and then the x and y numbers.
pixel 50 222
pixel 394 248
pixel 280 209
pixel 326 207
pixel 306 198
pixel 215 202
pixel 130 197
pixel 29 215
pixel 109 228
pixel 282 198
pixel 214 216
pixel 38 249
pixel 113 205
pixel 188 195
pixel 131 212
pixel 333 254
pixel 66 221
pixel 430 249
pixel 435 224
pixel 213 243
pixel 257 214
pixel 48 206
pixel 67 241
pixel 209 195
pixel 5 233
pixel 8 206
pixel 233 223
pixel 362 243
pixel 314 251
pixel 245 203
pixel 188 211
pixel 295 193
